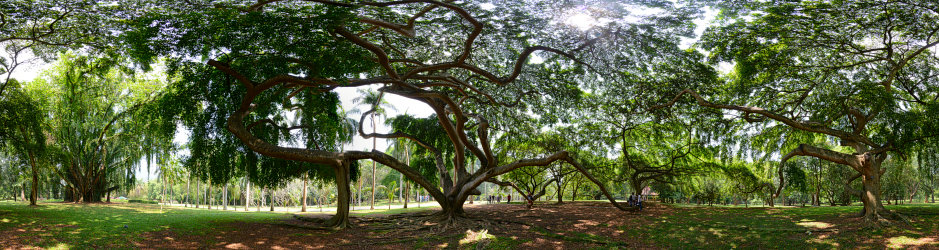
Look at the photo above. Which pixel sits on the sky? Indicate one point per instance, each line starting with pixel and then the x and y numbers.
pixel 581 20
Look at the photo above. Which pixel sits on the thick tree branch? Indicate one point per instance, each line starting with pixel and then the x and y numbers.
pixel 805 126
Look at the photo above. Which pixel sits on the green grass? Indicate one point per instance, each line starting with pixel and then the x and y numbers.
pixel 66 225
pixel 795 227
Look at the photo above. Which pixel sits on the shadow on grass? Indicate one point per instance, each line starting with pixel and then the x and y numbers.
pixel 103 225
pixel 790 227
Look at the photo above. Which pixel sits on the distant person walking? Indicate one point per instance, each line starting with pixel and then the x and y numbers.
pixel 498 198
pixel 508 199
pixel 639 201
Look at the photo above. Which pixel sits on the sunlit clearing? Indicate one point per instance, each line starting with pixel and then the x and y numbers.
pixel 581 21
pixel 472 237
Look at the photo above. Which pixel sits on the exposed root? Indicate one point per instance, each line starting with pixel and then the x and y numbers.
pixel 884 218
pixel 334 223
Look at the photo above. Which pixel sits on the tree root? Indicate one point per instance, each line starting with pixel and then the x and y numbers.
pixel 884 218
pixel 318 228
pixel 325 224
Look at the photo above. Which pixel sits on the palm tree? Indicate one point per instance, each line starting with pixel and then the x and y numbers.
pixel 401 148
pixel 378 107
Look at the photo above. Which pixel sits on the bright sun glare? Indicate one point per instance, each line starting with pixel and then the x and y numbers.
pixel 581 21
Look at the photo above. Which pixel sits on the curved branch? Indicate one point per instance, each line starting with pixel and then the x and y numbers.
pixel 481 176
pixel 805 126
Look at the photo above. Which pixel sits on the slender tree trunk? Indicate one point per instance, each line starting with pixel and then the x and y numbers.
pixel 374 178
pixel 162 190
pixel 407 186
pixel 305 177
pixel 407 194
pixel 198 189
pixel 188 193
pixel 261 192
pixel 34 193
pixel 247 193
pixel 208 195
pixel 357 200
pixel 225 197
pixel 272 199
pixel 319 202
pixel 576 187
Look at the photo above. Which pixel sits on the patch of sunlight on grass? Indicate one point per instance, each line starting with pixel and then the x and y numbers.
pixel 906 242
pixel 472 237
pixel 825 239
pixel 5 220
pixel 715 231
pixel 815 224
pixel 61 246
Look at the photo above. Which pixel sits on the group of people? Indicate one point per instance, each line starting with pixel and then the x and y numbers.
pixel 423 198
pixel 498 198
pixel 635 200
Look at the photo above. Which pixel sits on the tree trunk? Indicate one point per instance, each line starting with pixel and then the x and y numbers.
pixel 407 194
pixel 198 188
pixel 208 195
pixel 34 193
pixel 247 193
pixel 576 187
pixel 225 197
pixel 188 193
pixel 874 210
pixel 272 199
pixel 341 219
pixel 374 147
pixel 303 209
pixel 162 189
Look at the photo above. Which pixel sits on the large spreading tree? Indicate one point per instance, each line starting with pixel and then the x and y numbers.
pixel 266 56
pixel 859 72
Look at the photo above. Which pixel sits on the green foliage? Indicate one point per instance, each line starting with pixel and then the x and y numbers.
pixel 823 59
pixel 90 104
pixel 249 40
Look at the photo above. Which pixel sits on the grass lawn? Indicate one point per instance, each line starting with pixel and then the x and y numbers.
pixel 790 227
pixel 574 225
pixel 67 225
